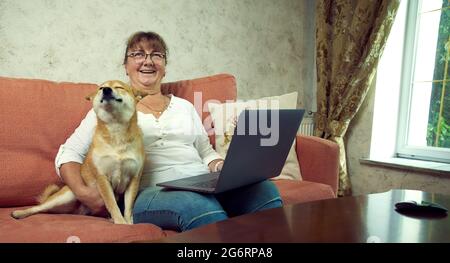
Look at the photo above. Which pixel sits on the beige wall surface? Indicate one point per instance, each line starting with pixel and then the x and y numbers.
pixel 261 42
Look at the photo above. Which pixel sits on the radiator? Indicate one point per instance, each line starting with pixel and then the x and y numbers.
pixel 306 126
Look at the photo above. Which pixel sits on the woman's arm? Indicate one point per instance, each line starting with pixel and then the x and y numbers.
pixel 89 196
pixel 203 145
pixel 77 145
pixel 68 164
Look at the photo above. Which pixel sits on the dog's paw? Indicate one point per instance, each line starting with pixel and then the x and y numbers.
pixel 129 220
pixel 18 214
pixel 120 221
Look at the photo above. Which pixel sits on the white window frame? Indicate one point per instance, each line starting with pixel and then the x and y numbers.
pixel 409 55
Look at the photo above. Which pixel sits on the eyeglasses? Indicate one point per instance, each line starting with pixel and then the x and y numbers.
pixel 141 56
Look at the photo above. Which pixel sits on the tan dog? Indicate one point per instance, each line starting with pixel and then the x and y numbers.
pixel 113 163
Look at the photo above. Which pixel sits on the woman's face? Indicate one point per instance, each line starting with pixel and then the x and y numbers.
pixel 145 66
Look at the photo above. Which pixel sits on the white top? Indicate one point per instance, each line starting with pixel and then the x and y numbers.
pixel 176 144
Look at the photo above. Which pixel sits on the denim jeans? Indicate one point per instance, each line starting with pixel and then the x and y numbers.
pixel 183 210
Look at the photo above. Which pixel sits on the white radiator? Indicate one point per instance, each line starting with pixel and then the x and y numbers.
pixel 306 126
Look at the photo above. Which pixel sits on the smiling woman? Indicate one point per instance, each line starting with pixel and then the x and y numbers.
pixel 151 39
pixel 145 62
pixel 176 146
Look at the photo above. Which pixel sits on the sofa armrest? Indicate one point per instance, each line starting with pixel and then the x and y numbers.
pixel 319 160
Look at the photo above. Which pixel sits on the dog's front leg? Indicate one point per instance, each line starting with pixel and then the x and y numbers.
pixel 130 196
pixel 107 193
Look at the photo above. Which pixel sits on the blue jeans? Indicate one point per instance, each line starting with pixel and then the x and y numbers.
pixel 184 210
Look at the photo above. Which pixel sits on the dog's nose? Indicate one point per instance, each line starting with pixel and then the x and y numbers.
pixel 107 91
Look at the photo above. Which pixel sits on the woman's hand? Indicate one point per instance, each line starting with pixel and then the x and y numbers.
pixel 91 198
pixel 216 165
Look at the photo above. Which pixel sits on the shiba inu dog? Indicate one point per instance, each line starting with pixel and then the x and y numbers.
pixel 114 160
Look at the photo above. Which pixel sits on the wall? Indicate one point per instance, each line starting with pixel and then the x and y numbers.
pixel 261 42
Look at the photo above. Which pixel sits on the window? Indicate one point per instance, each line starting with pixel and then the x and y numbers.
pixel 424 116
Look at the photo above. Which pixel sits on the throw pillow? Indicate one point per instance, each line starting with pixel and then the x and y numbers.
pixel 224 118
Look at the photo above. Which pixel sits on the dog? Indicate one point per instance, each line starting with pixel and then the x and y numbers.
pixel 114 161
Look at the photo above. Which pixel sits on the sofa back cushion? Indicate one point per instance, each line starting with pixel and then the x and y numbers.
pixel 200 92
pixel 37 116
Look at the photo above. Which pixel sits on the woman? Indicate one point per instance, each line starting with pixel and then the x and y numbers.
pixel 176 146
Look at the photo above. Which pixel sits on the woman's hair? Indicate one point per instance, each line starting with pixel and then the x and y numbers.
pixel 150 38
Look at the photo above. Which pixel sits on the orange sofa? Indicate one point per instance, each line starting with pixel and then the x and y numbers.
pixel 38 115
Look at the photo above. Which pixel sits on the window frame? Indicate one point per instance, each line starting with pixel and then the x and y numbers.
pixel 409 58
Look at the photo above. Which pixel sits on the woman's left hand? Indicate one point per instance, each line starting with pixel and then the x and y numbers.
pixel 216 165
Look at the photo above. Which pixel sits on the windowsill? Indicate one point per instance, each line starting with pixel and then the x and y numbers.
pixel 410 165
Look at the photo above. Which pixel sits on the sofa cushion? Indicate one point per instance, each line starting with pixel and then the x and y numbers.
pixel 303 191
pixel 37 117
pixel 71 228
pixel 201 92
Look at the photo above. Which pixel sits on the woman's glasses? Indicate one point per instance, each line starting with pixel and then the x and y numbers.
pixel 140 56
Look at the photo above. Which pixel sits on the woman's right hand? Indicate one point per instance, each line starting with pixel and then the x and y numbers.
pixel 91 198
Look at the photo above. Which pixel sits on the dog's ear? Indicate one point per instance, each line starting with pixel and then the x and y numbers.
pixel 91 96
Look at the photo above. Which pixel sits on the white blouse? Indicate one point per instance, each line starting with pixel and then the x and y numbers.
pixel 176 144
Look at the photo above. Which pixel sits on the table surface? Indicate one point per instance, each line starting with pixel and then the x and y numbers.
pixel 365 218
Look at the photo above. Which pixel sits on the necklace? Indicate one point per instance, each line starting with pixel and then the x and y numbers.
pixel 159 111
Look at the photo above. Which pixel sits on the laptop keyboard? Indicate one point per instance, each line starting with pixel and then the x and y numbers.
pixel 206 184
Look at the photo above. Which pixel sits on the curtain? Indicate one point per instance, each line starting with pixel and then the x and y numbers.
pixel 350 37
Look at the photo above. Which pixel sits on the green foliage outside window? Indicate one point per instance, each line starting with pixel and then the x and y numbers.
pixel 438 131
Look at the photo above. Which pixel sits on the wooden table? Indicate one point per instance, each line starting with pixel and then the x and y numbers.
pixel 367 218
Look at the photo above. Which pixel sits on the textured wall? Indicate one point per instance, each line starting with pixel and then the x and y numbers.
pixel 261 42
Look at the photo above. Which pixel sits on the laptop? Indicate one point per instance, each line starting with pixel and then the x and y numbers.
pixel 258 150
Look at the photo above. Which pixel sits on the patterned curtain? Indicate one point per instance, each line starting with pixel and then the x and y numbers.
pixel 350 37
